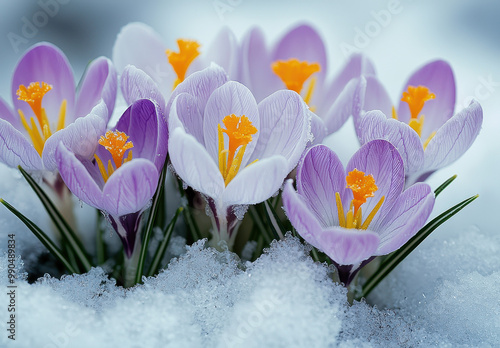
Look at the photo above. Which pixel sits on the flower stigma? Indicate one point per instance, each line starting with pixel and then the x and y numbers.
pixel 416 98
pixel 362 186
pixel 294 74
pixel 116 143
pixel 180 61
pixel 33 95
pixel 239 131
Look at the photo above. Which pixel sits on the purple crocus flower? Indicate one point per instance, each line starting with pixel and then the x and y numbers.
pixel 48 110
pixel 423 128
pixel 228 148
pixel 298 62
pixel 121 177
pixel 356 214
pixel 150 70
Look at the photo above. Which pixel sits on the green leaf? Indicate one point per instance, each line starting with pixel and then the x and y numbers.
pixel 150 224
pixel 60 223
pixel 160 252
pixel 399 255
pixel 444 185
pixel 49 244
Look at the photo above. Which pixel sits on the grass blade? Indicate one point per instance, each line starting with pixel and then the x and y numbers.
pixel 444 185
pixel 66 231
pixel 394 259
pixel 274 221
pixel 49 244
pixel 160 252
pixel 150 224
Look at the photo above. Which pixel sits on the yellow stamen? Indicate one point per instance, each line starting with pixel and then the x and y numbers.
pixel 416 98
pixel 372 214
pixel 33 95
pixel 426 142
pixel 103 171
pixel 180 61
pixel 417 124
pixel 116 143
pixel 62 115
pixel 240 131
pixel 394 113
pixel 294 73
pixel 340 210
pixel 310 90
pixel 36 137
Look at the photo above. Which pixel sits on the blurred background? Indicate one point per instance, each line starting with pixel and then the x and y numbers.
pixel 399 36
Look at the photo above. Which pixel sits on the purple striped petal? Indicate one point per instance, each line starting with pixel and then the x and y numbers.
pixel 382 160
pixel 136 84
pixel 80 137
pixel 438 77
pixel 376 97
pixel 318 128
pixel 230 98
pixel 16 150
pixel 130 187
pixel 99 82
pixel 408 216
pixel 256 71
pixel 45 62
pixel 348 246
pixel 185 113
pixel 7 114
pixel 284 124
pixel 140 45
pixel 454 137
pixel 201 85
pixel 319 176
pixel 375 125
pixel 348 103
pixel 194 165
pixel 77 178
pixel 302 218
pixel 224 52
pixel 257 182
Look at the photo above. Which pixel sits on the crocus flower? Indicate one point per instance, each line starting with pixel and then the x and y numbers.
pixel 298 61
pixel 122 175
pixel 228 148
pixel 356 214
pixel 49 111
pixel 423 128
pixel 151 69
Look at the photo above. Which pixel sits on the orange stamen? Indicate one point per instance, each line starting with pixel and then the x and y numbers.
pixel 362 186
pixel 240 131
pixel 416 98
pixel 188 51
pixel 33 95
pixel 294 73
pixel 116 143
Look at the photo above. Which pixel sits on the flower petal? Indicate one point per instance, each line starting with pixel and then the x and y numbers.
pixel 77 177
pixel 256 71
pixel 136 84
pixel 348 246
pixel 224 52
pixel 140 45
pixel 185 113
pixel 438 77
pixel 318 128
pixel 454 137
pixel 130 187
pixel 376 98
pixel 382 160
pixel 45 62
pixel 230 98
pixel 201 85
pixel 7 114
pixel 16 150
pixel 349 102
pixel 144 124
pixel 80 137
pixel 193 164
pixel 257 182
pixel 99 82
pixel 319 176
pixel 375 125
pixel 302 218
pixel 284 127
pixel 408 216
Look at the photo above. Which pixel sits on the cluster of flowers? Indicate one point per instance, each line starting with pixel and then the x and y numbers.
pixel 234 123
